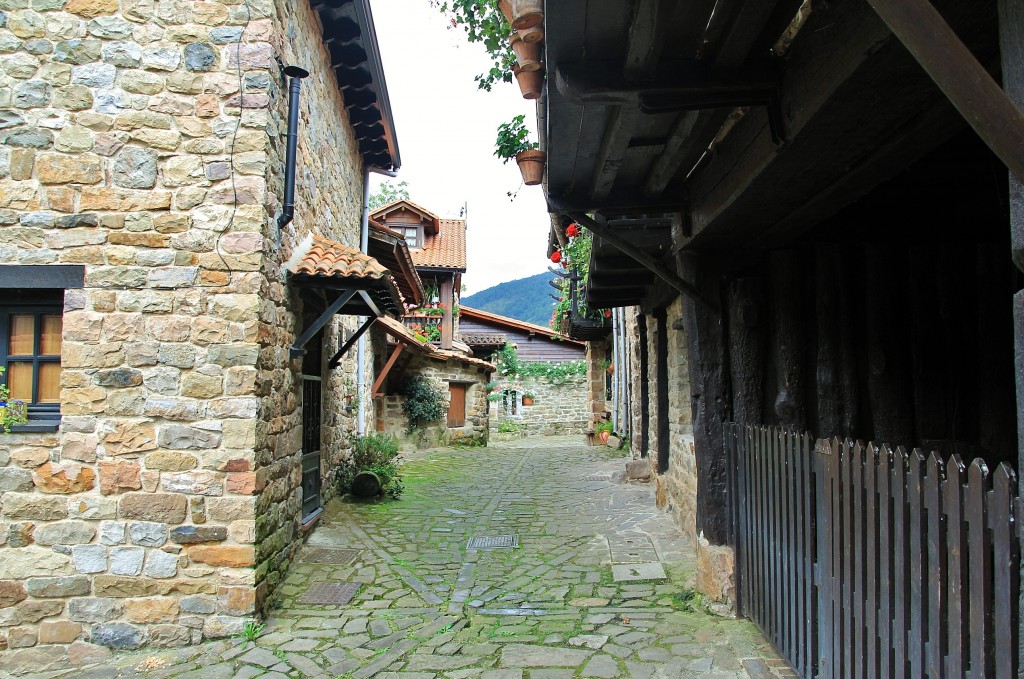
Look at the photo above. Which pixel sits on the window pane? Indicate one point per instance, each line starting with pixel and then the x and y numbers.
pixel 49 341
pixel 49 382
pixel 19 380
pixel 22 335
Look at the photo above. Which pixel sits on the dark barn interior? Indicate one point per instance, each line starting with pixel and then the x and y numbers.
pixel 891 321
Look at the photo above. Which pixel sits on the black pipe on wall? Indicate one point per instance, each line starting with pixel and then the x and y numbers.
pixel 295 75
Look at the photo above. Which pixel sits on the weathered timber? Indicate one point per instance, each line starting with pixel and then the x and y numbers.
pixel 619 129
pixel 748 335
pixel 790 339
pixel 827 373
pixel 957 72
pixel 710 407
pixel 845 64
pixel 645 385
pixel 661 387
pixel 889 383
pixel 1018 345
pixel 993 378
pixel 647 36
pixel 1011 49
pixel 685 288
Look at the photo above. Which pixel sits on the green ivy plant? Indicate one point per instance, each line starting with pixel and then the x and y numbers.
pixel 508 364
pixel 513 138
pixel 424 403
pixel 484 23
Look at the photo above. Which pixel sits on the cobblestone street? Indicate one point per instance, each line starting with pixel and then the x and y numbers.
pixel 568 600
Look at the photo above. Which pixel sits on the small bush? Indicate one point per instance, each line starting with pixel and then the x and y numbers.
pixel 510 427
pixel 424 403
pixel 377 453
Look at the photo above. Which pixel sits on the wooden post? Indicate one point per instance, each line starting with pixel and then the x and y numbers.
pixel 448 299
pixel 959 75
pixel 661 368
pixel 788 313
pixel 1011 48
pixel 645 385
pixel 748 325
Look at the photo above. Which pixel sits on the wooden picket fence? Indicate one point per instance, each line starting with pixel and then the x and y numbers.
pixel 866 561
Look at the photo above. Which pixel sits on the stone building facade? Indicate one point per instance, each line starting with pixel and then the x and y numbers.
pixel 558 408
pixel 141 155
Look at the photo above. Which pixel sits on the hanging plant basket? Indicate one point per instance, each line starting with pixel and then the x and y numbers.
pixel 527 53
pixel 532 34
pixel 530 82
pixel 531 166
pixel 527 13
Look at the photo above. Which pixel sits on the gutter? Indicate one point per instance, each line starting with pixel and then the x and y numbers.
pixel 364 245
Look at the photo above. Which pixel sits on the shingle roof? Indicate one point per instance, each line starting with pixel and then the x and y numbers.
pixel 317 257
pixel 446 249
pixel 405 336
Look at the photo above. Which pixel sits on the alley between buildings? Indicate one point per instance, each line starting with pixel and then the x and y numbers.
pixel 579 593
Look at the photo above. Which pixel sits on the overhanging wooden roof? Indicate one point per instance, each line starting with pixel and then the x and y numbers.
pixel 390 249
pixel 748 122
pixel 351 39
pixel 514 323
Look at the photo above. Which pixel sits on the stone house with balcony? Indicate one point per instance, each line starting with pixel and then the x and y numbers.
pixel 183 419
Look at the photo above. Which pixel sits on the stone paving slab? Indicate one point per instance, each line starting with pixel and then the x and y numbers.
pixel 429 607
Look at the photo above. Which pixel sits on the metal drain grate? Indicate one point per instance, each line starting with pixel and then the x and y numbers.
pixel 325 555
pixel 337 593
pixel 496 542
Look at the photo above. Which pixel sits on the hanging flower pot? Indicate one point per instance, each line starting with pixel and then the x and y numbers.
pixel 527 53
pixel 505 6
pixel 530 82
pixel 527 13
pixel 531 166
pixel 532 34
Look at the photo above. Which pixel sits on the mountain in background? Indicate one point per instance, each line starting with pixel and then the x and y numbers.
pixel 525 299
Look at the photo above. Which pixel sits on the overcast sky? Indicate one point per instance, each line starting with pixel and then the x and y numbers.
pixel 446 129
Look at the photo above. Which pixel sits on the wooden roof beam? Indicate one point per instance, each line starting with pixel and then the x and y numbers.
pixel 959 75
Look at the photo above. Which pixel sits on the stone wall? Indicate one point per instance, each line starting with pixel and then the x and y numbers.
pixel 557 408
pixel 597 353
pixel 136 522
pixel 392 420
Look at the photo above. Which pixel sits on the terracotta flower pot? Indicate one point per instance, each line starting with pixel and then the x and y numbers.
pixel 604 436
pixel 527 400
pixel 505 6
pixel 531 165
pixel 527 13
pixel 532 34
pixel 530 82
pixel 527 53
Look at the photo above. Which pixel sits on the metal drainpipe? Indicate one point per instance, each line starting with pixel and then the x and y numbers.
pixel 618 368
pixel 364 246
pixel 295 75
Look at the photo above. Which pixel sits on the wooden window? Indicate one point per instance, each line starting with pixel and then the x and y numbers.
pixel 411 233
pixel 30 344
pixel 457 406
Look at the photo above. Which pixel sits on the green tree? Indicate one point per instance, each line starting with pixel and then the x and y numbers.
pixel 389 192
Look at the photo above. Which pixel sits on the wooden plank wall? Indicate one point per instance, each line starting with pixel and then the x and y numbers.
pixel 870 561
pixel 529 346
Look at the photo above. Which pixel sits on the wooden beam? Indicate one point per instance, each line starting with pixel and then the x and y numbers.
pixel 387 368
pixel 336 359
pixel 647 36
pixel 960 76
pixel 1011 49
pixel 659 269
pixel 617 134
pixel 678 148
pixel 447 323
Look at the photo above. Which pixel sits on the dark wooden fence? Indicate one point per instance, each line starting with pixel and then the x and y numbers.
pixel 863 561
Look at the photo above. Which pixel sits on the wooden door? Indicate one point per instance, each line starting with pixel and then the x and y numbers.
pixel 457 406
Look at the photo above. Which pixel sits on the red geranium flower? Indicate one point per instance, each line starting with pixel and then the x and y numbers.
pixel 556 256
pixel 607 313
pixel 572 231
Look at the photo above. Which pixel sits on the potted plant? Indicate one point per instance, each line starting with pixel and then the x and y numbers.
pixel 603 431
pixel 527 13
pixel 527 53
pixel 513 142
pixel 12 411
pixel 530 82
pixel 528 398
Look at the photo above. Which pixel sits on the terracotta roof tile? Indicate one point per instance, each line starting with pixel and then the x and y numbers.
pixel 444 250
pixel 319 257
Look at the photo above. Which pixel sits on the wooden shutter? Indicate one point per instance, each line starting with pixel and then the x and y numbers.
pixel 457 407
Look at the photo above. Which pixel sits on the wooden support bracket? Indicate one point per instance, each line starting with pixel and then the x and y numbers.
pixel 384 373
pixel 960 76
pixel 657 268
pixel 298 349
pixel 336 359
